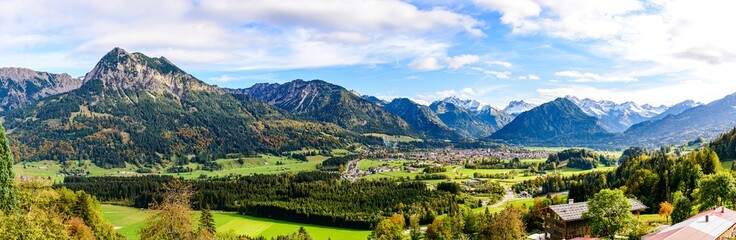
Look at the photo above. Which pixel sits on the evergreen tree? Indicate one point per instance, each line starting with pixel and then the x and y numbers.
pixel 206 221
pixel 8 191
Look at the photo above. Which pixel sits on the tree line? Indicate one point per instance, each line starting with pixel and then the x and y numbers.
pixel 309 197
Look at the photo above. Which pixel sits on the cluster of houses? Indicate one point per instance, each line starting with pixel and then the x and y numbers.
pixel 457 156
pixel 566 221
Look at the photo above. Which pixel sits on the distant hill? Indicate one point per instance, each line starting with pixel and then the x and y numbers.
pixel 318 100
pixel 137 109
pixel 559 122
pixel 461 120
pixel 725 145
pixel 707 121
pixel 421 119
pixel 20 86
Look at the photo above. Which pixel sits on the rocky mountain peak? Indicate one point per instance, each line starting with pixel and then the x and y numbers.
pixel 21 86
pixel 119 70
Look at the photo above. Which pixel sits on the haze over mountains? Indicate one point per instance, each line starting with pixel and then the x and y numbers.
pixel 134 108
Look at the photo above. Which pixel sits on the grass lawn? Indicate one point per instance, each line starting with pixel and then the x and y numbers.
pixel 526 202
pixel 651 218
pixel 129 220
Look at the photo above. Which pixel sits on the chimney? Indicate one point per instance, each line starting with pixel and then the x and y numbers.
pixel 723 209
pixel 570 201
pixel 706 218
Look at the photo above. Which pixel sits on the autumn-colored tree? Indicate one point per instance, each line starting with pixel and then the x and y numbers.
pixel 508 224
pixel 415 231
pixel 389 229
pixel 665 209
pixel 172 219
pixel 78 230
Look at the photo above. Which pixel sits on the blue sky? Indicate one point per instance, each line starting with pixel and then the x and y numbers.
pixel 494 51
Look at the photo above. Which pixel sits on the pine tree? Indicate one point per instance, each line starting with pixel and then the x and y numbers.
pixel 206 221
pixel 8 190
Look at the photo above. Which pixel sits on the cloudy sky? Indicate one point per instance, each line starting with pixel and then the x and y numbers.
pixel 495 51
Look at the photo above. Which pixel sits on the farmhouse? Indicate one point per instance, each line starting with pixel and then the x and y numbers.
pixel 715 224
pixel 565 221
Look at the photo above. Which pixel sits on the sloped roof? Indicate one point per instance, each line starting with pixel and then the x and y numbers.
pixel 574 211
pixel 719 221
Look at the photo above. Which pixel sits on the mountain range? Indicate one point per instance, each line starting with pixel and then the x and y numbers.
pixel 552 123
pixel 616 118
pixel 20 87
pixel 131 108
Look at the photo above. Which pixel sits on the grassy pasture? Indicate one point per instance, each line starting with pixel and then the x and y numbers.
pixel 128 222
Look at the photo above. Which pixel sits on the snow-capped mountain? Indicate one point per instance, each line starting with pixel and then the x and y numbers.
pixel 468 104
pixel 619 117
pixel 517 107
pixel 677 109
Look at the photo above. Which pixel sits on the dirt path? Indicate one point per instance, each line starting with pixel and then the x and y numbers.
pixel 508 197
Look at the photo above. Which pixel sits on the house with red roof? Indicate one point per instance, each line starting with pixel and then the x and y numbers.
pixel 715 224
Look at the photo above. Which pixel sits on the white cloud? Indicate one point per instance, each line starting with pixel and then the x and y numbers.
pixel 702 91
pixel 426 64
pixel 567 18
pixel 392 15
pixel 462 60
pixel 226 78
pixel 576 76
pixel 234 35
pixel 500 63
pixel 497 74
pixel 529 77
pixel 676 39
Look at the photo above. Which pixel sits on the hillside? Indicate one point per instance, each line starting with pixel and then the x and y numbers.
pixel 559 122
pixel 137 109
pixel 725 145
pixel 707 121
pixel 20 86
pixel 318 100
pixel 421 119
pixel 461 120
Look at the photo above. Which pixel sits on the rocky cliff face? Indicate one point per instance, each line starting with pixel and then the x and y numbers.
pixel 20 86
pixel 119 71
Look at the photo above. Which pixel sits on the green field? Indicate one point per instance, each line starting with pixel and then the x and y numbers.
pixel 264 164
pixel 128 221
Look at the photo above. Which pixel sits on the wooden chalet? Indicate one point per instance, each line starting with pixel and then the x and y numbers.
pixel 565 221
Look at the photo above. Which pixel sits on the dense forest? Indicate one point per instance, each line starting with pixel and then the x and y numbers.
pixel 725 145
pixel 579 158
pixel 651 179
pixel 310 197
